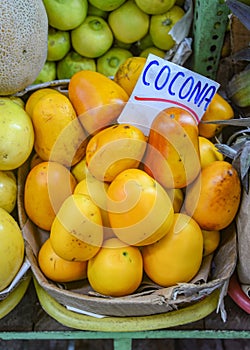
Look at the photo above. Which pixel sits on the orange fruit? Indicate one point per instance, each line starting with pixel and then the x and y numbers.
pixel 208 152
pixel 47 185
pixel 211 241
pixel 218 109
pixel 177 257
pixel 116 270
pixel 59 135
pixel 213 198
pixel 140 210
pixel 58 269
pixel 128 73
pixel 35 97
pixel 76 232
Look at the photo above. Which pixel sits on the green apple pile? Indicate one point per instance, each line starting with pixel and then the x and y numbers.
pixel 100 35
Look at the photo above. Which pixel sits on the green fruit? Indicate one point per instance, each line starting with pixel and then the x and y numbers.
pixel 107 5
pixel 72 63
pixel 160 25
pixel 92 38
pixel 58 44
pixel 47 73
pixel 129 23
pixel 109 63
pixel 154 50
pixel 66 14
pixel 94 11
pixel 155 7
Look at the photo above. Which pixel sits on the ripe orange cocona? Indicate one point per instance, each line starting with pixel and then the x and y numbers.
pixel 116 270
pixel 214 197
pixel 218 109
pixel 177 257
pixel 16 134
pixel 58 269
pixel 97 190
pixel 98 100
pixel 77 233
pixel 115 149
pixel 128 73
pixel 140 210
pixel 47 185
pixel 172 156
pixel 59 135
pixel 23 46
pixel 128 22
pixel 11 248
pixel 208 152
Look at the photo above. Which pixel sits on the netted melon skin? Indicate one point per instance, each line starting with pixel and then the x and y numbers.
pixel 23 43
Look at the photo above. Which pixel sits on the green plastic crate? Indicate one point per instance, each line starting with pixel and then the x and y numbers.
pixel 209 28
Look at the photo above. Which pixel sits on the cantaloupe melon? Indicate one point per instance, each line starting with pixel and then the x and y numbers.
pixel 23 44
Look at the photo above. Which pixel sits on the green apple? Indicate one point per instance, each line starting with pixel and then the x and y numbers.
pixel 92 38
pixel 128 22
pixel 59 44
pixel 109 63
pixel 8 190
pixel 66 14
pixel 72 63
pixel 47 73
pixel 107 5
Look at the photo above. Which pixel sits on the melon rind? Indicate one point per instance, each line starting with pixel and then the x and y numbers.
pixel 23 43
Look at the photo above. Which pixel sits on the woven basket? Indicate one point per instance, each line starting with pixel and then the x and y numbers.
pixel 149 299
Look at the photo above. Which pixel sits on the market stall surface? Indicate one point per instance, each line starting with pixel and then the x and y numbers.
pixel 28 316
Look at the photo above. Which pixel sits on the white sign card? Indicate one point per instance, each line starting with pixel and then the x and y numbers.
pixel 163 84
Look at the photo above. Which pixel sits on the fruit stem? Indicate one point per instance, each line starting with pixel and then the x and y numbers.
pixel 95 25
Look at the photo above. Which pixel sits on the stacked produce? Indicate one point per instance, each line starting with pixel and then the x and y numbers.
pixel 100 35
pixel 116 205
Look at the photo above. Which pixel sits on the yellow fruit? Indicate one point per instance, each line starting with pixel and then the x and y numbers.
pixel 154 50
pixel 97 190
pixel 116 270
pixel 11 248
pixel 140 210
pixel 58 133
pixel 23 48
pixel 58 269
pixel 176 258
pixel 115 149
pixel 8 190
pixel 128 73
pixel 213 198
pixel 211 241
pixel 16 135
pixel 177 197
pixel 79 170
pixel 77 233
pixel 208 152
pixel 35 97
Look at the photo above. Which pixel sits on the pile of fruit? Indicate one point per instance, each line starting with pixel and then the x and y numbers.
pixel 100 35
pixel 115 204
